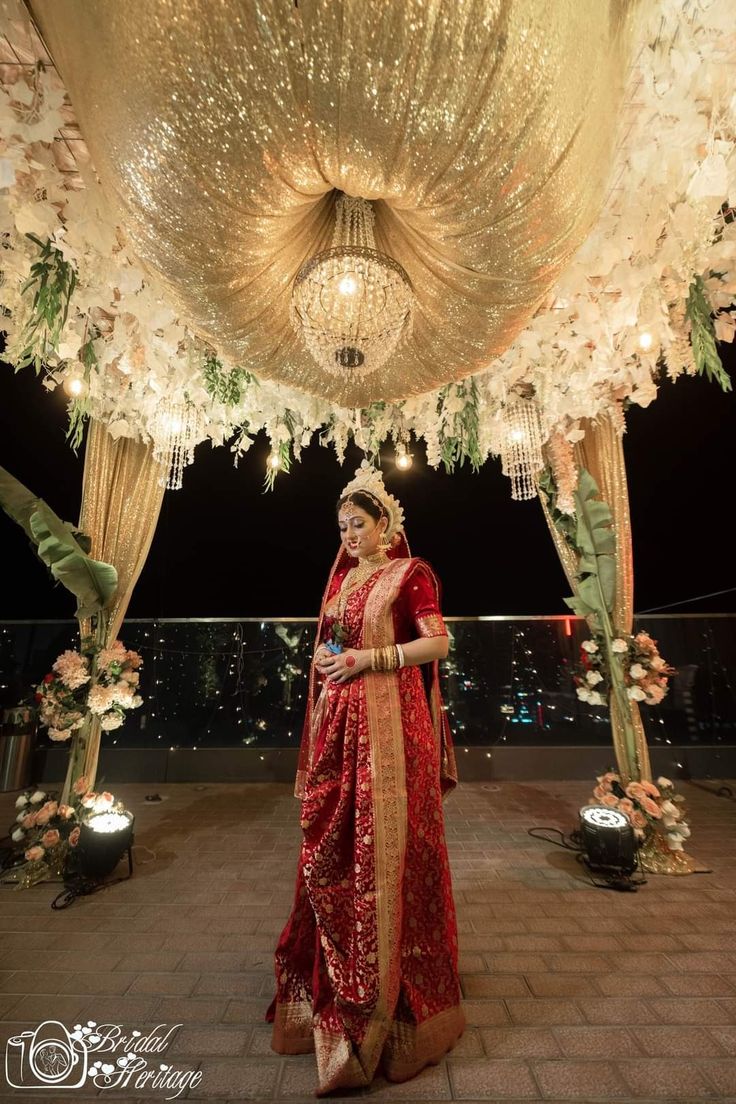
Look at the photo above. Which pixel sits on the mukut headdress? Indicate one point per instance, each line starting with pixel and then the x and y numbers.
pixel 369 480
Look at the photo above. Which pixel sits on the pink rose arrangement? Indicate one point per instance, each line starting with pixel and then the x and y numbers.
pixel 44 830
pixel 98 681
pixel 648 807
pixel 646 674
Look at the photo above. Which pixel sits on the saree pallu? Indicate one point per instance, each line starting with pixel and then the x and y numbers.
pixel 366 966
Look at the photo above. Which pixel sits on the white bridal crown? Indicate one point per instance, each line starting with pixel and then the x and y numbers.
pixel 368 478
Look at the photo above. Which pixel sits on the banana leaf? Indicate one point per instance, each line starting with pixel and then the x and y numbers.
pixel 61 547
pixel 597 542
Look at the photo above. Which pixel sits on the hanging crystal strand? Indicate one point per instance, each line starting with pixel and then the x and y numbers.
pixel 177 431
pixel 521 457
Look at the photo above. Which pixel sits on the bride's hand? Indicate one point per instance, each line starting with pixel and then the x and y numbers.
pixel 345 665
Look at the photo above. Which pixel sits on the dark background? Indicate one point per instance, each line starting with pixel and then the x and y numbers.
pixel 224 548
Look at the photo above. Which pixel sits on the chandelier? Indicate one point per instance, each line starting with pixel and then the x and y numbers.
pixel 351 304
pixel 176 430
pixel 521 451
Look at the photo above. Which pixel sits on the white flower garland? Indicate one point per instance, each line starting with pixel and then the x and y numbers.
pixel 616 317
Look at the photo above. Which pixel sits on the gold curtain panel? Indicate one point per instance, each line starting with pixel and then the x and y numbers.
pixel 483 130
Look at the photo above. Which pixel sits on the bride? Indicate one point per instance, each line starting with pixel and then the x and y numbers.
pixel 366 966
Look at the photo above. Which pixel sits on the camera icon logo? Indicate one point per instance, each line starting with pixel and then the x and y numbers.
pixel 48 1056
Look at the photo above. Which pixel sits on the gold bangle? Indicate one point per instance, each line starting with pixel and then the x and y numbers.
pixel 400 651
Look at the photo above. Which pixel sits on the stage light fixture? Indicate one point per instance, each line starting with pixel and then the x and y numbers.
pixel 607 840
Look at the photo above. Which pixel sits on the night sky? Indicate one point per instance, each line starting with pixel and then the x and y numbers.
pixel 223 548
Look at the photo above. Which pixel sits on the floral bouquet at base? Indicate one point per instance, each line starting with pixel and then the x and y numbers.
pixel 648 807
pixel 646 674
pixel 99 681
pixel 45 832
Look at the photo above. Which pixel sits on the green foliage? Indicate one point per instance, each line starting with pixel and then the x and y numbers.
pixel 226 387
pixel 61 547
pixel 595 544
pixel 51 282
pixel 703 337
pixel 460 440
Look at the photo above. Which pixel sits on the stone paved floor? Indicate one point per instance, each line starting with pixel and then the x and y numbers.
pixel 572 992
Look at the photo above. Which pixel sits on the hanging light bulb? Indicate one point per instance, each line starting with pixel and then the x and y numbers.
pixel 645 340
pixel 75 385
pixel 521 451
pixel 274 461
pixel 404 458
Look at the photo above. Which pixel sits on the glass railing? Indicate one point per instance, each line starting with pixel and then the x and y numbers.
pixel 242 682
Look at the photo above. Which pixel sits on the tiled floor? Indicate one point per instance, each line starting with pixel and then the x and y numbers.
pixel 572 992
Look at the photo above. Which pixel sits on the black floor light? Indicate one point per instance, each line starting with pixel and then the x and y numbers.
pixel 607 840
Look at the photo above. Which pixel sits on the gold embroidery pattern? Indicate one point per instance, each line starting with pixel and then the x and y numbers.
pixel 431 625
pixel 389 805
pixel 410 1047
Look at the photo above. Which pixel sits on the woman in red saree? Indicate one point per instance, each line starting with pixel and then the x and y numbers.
pixel 366 966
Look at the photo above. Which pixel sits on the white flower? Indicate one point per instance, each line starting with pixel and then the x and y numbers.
pixel 20 801
pixel 636 693
pixel 39 795
pixel 589 646
pixel 674 843
pixel 670 809
pixel 619 645
pixel 596 698
pixel 583 694
pixel 17 835
pixel 663 783
pixel 593 678
pixel 637 671
pixel 111 721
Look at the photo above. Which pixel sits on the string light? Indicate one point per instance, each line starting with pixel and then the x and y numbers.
pixel 645 340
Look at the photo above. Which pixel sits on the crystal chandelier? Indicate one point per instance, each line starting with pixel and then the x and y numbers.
pixel 177 429
pixel 350 303
pixel 521 451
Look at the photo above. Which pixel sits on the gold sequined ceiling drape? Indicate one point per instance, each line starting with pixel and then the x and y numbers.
pixel 121 503
pixel 601 453
pixel 484 129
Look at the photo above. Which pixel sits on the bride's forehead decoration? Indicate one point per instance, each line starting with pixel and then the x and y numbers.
pixel 369 480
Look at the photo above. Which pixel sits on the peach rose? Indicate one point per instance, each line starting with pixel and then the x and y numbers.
pixel 66 811
pixel 81 785
pixel 635 791
pixel 638 819
pixel 34 853
pixel 609 799
pixel 46 812
pixel 599 793
pixel 50 838
pixel 626 806
pixel 89 799
pixel 74 836
pixel 649 789
pixel 651 807
pixel 28 821
pixel 105 800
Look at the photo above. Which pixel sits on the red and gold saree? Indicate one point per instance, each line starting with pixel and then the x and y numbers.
pixel 366 966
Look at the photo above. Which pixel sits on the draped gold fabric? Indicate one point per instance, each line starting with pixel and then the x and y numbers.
pixel 601 453
pixel 121 503
pixel 483 129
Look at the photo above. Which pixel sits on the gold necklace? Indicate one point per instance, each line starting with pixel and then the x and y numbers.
pixel 356 576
